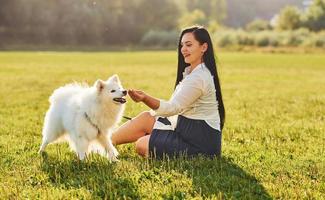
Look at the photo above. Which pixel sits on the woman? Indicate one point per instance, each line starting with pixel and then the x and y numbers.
pixel 197 101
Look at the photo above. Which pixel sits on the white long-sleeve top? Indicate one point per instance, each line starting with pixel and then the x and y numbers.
pixel 194 98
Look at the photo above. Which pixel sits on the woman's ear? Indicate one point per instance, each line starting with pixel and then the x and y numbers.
pixel 204 47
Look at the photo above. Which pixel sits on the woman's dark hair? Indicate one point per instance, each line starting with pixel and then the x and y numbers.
pixel 202 36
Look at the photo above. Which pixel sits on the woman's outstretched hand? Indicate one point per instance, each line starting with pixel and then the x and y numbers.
pixel 137 95
pixel 140 96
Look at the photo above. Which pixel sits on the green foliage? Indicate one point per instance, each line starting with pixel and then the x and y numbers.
pixel 214 10
pixel 263 39
pixel 156 15
pixel 109 22
pixel 84 22
pixel 301 37
pixel 316 40
pixel 289 18
pixel 273 140
pixel 226 38
pixel 258 25
pixel 240 13
pixel 314 19
pixel 160 38
pixel 213 26
pixel 210 14
pixel 192 18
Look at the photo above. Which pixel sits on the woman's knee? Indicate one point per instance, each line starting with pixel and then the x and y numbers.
pixel 142 146
pixel 147 120
pixel 146 115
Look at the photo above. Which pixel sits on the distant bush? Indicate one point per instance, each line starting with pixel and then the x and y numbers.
pixel 244 39
pixel 160 38
pixel 258 25
pixel 291 18
pixel 262 39
pixel 293 39
pixel 226 38
pixel 316 40
pixel 300 37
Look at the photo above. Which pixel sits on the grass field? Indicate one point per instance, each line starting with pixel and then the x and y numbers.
pixel 273 140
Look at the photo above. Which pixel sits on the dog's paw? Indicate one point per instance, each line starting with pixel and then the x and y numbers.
pixel 112 155
pixel 112 158
pixel 81 156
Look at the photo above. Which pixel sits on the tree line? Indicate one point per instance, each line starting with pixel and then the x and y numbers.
pixel 95 21
pixel 291 17
pixel 121 22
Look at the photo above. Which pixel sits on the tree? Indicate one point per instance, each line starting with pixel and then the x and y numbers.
pixel 240 13
pixel 205 11
pixel 289 18
pixel 314 19
pixel 258 25
pixel 73 22
pixel 192 18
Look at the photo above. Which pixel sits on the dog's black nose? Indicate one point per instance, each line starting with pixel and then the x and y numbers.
pixel 124 92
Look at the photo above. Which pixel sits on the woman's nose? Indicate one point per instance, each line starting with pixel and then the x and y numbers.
pixel 183 49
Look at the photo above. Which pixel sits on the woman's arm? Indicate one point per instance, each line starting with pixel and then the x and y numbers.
pixel 189 91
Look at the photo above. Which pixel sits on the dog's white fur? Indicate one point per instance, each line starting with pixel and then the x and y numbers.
pixel 69 106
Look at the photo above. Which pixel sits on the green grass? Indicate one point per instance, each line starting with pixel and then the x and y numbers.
pixel 273 141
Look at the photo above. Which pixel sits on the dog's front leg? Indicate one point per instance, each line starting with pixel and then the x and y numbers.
pixel 81 147
pixel 112 152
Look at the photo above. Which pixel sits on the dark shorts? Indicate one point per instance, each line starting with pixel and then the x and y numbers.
pixel 190 137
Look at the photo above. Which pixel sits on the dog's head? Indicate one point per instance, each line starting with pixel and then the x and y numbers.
pixel 111 90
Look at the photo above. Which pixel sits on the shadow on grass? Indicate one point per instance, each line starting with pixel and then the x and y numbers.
pixel 218 178
pixel 96 175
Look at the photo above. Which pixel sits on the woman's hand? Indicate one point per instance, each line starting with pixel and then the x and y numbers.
pixel 137 95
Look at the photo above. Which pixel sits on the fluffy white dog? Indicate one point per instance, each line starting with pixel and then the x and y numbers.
pixel 85 114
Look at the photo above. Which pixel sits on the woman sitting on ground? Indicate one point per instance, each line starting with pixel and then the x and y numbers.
pixel 196 103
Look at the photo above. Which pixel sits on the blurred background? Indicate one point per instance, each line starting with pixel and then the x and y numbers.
pixel 273 141
pixel 119 24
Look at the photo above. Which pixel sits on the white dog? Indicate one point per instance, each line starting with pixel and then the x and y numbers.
pixel 87 114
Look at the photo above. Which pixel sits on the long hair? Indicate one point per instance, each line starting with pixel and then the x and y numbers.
pixel 202 36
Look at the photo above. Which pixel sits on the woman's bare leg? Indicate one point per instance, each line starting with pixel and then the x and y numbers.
pixel 142 146
pixel 134 129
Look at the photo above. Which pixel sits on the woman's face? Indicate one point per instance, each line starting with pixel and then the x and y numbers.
pixel 191 49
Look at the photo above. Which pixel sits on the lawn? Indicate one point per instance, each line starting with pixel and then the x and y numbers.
pixel 273 140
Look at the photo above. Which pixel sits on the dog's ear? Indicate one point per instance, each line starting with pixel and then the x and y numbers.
pixel 99 85
pixel 114 78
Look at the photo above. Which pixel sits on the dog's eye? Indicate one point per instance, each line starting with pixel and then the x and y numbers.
pixel 113 91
